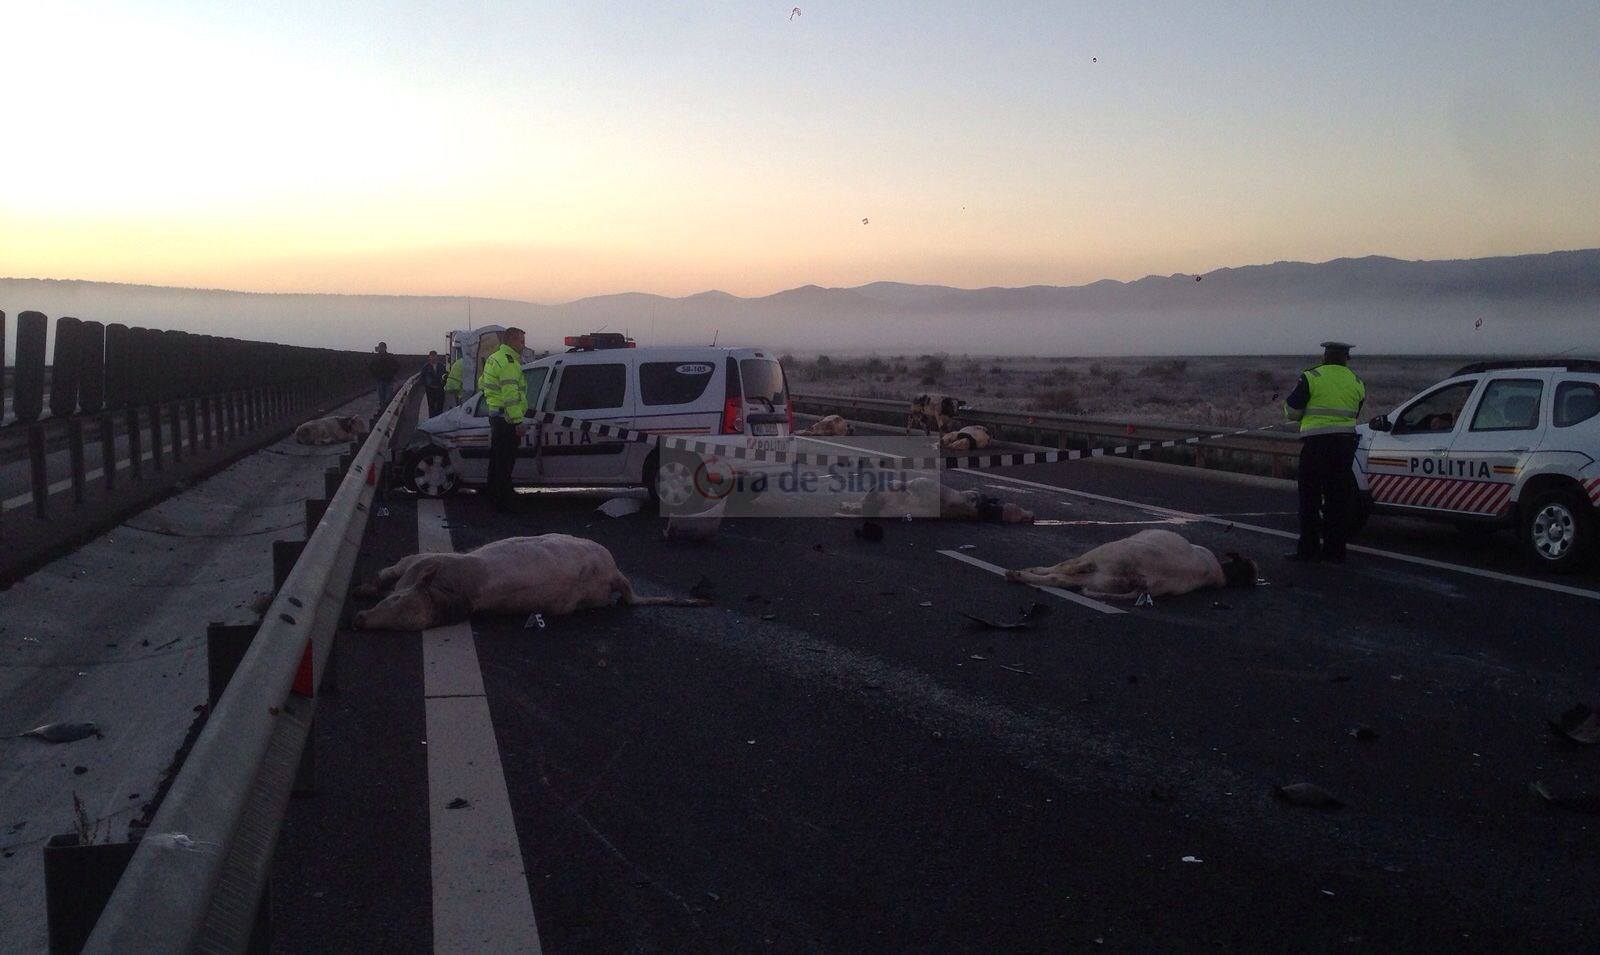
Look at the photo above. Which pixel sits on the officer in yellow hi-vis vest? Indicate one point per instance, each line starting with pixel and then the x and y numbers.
pixel 1326 401
pixel 452 383
pixel 505 392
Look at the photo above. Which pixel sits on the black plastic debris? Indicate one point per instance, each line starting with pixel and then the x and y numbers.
pixel 869 531
pixel 63 732
pixel 1024 622
pixel 1308 794
pixel 457 803
pixel 1587 803
pixel 1581 724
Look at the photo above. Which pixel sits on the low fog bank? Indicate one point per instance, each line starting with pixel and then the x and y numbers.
pixel 1505 305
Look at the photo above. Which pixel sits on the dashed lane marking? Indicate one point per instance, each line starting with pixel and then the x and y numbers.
pixel 1290 535
pixel 481 901
pixel 1089 602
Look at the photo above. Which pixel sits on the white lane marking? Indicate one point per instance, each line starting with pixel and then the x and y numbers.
pixel 1290 535
pixel 481 901
pixel 1057 591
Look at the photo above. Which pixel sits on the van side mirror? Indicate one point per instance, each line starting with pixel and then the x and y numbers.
pixel 1380 423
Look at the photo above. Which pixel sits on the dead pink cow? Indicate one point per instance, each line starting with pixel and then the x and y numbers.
pixel 924 497
pixel 1154 562
pixel 974 437
pixel 831 426
pixel 552 574
pixel 335 430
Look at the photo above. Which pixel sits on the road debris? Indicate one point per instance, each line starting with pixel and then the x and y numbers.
pixel 457 803
pixel 1581 724
pixel 1024 622
pixel 62 732
pixel 1308 794
pixel 1586 803
pixel 1361 732
pixel 869 531
pixel 1193 859
pixel 621 506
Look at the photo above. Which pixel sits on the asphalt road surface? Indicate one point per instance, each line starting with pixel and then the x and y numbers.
pixel 833 758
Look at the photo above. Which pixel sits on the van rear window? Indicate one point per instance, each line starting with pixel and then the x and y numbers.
pixel 763 380
pixel 674 382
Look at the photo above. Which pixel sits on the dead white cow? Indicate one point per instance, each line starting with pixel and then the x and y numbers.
pixel 935 410
pixel 924 497
pixel 831 426
pixel 974 437
pixel 334 430
pixel 1154 562
pixel 552 574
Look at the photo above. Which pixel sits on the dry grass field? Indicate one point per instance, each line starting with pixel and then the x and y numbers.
pixel 1232 391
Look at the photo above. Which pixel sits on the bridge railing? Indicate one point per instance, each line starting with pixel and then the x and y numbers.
pixel 1266 452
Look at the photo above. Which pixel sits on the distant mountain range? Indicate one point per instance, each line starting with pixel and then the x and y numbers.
pixel 1527 303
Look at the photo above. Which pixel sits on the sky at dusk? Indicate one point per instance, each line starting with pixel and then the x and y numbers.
pixel 547 151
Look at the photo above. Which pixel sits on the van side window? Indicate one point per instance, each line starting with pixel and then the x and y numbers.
pixel 1576 401
pixel 673 382
pixel 584 387
pixel 1510 404
pixel 1435 413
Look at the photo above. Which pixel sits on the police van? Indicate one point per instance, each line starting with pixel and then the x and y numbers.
pixel 741 394
pixel 1512 444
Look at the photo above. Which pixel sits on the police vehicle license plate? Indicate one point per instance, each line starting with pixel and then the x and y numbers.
pixel 764 429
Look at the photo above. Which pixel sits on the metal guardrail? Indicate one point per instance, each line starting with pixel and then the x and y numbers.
pixel 1279 449
pixel 197 876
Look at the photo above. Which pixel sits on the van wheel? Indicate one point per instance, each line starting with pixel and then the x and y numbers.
pixel 669 478
pixel 430 473
pixel 1557 530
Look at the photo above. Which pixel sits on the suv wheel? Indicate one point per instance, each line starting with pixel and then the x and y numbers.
pixel 430 473
pixel 1557 529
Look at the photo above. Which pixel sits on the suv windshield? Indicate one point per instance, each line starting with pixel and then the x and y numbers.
pixel 763 380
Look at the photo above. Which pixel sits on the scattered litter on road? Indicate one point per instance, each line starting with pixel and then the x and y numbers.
pixel 1145 600
pixel 977 656
pixel 1024 622
pixel 79 770
pixel 1219 605
pixel 1581 724
pixel 62 732
pixel 1587 803
pixel 1016 669
pixel 703 588
pixel 1192 859
pixel 621 507
pixel 1362 732
pixel 926 603
pixel 457 803
pixel 769 616
pixel 1307 794
pixel 967 547
pixel 535 621
pixel 169 643
pixel 177 840
pixel 713 896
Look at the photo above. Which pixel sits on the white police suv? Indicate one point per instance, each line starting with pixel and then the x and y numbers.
pixel 739 393
pixel 1498 444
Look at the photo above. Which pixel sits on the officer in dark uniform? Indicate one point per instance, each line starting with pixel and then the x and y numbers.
pixel 1326 401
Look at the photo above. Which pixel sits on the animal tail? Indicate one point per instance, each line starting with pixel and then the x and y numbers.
pixel 631 599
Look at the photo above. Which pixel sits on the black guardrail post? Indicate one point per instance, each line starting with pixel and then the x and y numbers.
pixel 2 366
pixel 177 432
pixel 64 368
pixel 78 881
pixel 135 444
pixel 108 450
pixel 153 412
pixel 205 420
pixel 194 427
pixel 75 458
pixel 27 396
pixel 91 367
pixel 40 478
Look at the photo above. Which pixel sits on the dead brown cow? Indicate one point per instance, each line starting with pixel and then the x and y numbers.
pixel 974 437
pixel 553 574
pixel 1154 562
pixel 831 426
pixel 925 497
pixel 935 410
pixel 333 430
